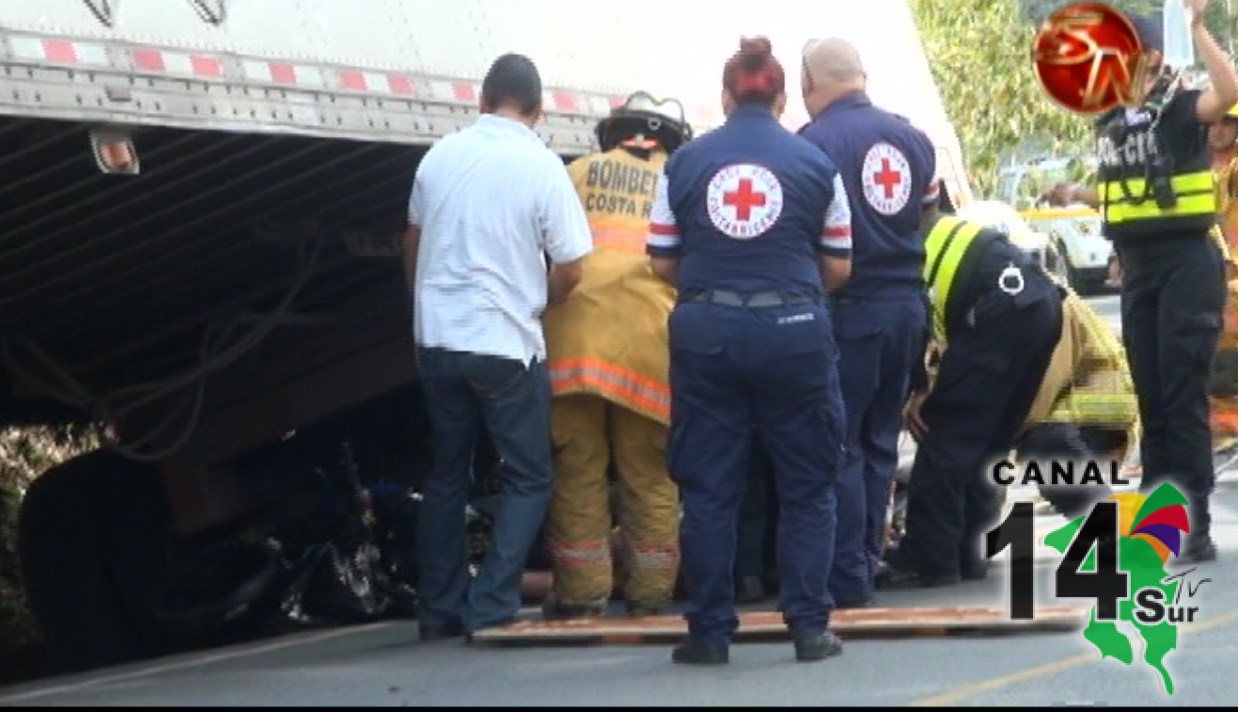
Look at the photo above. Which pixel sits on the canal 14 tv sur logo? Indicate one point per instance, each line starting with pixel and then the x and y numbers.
pixel 1117 556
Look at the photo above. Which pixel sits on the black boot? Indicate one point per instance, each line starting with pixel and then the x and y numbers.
pixel 691 652
pixel 1199 549
pixel 894 579
pixel 813 648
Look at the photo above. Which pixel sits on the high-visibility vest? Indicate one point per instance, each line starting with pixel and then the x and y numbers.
pixel 1127 203
pixel 1196 194
pixel 945 252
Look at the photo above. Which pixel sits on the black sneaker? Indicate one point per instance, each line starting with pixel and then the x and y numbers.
pixel 691 652
pixel 750 590
pixel 470 633
pixel 1199 550
pixel 976 572
pixel 431 632
pixel 554 611
pixel 639 609
pixel 814 648
pixel 899 579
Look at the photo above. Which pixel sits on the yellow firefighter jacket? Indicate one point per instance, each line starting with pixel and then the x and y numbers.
pixel 609 338
pixel 1088 381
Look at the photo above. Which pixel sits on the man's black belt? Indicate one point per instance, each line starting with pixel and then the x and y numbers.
pixel 755 299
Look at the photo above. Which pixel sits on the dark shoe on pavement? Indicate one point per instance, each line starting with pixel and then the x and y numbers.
pixel 813 648
pixel 901 579
pixel 691 652
pixel 638 609
pixel 976 572
pixel 554 611
pixel 431 632
pixel 468 634
pixel 1199 550
pixel 750 590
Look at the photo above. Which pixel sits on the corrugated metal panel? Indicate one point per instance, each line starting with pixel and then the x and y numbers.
pixel 116 276
pixel 676 48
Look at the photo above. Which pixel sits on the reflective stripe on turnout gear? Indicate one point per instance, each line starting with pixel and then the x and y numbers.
pixel 945 248
pixel 1196 193
pixel 613 382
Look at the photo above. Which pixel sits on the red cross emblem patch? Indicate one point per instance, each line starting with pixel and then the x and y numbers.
pixel 886 178
pixel 744 200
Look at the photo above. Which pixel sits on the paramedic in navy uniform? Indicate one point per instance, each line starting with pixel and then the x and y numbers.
pixel 751 223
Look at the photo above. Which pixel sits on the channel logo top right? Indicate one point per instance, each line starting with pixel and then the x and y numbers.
pixel 1088 58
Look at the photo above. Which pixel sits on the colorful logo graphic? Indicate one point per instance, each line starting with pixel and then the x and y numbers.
pixel 1116 556
pixel 1088 58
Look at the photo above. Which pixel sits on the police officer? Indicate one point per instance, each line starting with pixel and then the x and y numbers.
pixel 1156 195
pixel 1000 317
pixel 880 316
pixel 607 355
pixel 749 222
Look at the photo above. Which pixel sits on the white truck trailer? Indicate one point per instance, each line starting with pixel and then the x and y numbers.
pixel 198 248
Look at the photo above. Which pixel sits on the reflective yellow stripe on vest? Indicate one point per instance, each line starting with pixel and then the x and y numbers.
pixel 944 248
pixel 1196 194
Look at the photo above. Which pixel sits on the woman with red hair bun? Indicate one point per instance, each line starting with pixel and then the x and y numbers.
pixel 751 224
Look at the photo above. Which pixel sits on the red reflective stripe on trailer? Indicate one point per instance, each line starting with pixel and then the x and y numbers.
pixel 616 101
pixel 565 101
pixel 59 51
pixel 149 59
pixel 353 80
pixel 206 66
pixel 282 73
pixel 400 84
pixel 464 92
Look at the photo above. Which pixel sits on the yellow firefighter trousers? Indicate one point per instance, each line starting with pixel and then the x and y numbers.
pixel 586 429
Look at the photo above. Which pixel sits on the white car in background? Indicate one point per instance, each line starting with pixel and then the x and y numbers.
pixel 1076 232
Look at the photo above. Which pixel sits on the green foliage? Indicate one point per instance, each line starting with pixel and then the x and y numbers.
pixel 980 54
pixel 24 454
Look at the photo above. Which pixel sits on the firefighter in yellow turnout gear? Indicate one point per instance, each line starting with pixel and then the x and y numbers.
pixel 608 357
pixel 1223 388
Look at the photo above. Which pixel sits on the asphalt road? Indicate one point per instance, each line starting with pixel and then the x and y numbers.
pixel 383 664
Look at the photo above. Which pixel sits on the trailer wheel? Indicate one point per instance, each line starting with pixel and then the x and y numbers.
pixel 92 538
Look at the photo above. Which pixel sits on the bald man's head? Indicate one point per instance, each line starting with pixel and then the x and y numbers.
pixel 832 67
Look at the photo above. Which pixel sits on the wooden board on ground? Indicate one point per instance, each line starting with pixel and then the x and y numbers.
pixel 768 625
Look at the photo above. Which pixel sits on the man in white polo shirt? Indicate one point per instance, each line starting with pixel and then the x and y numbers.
pixel 488 205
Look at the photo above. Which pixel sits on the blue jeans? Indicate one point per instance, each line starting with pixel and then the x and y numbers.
pixel 465 392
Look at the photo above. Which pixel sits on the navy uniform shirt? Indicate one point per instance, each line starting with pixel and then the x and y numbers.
pixel 749 208
pixel 889 169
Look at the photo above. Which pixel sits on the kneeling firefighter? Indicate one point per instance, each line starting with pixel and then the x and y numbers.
pixel 608 356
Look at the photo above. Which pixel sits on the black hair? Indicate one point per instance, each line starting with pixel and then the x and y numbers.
pixel 513 79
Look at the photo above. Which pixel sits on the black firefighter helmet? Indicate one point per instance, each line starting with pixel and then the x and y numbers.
pixel 642 115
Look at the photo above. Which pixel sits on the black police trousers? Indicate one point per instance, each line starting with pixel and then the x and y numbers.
pixel 990 373
pixel 1173 297
pixel 1047 443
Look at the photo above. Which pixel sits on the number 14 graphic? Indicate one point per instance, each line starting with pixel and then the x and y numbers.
pixel 1103 583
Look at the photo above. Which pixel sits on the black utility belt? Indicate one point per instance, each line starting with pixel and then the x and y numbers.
pixel 765 299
